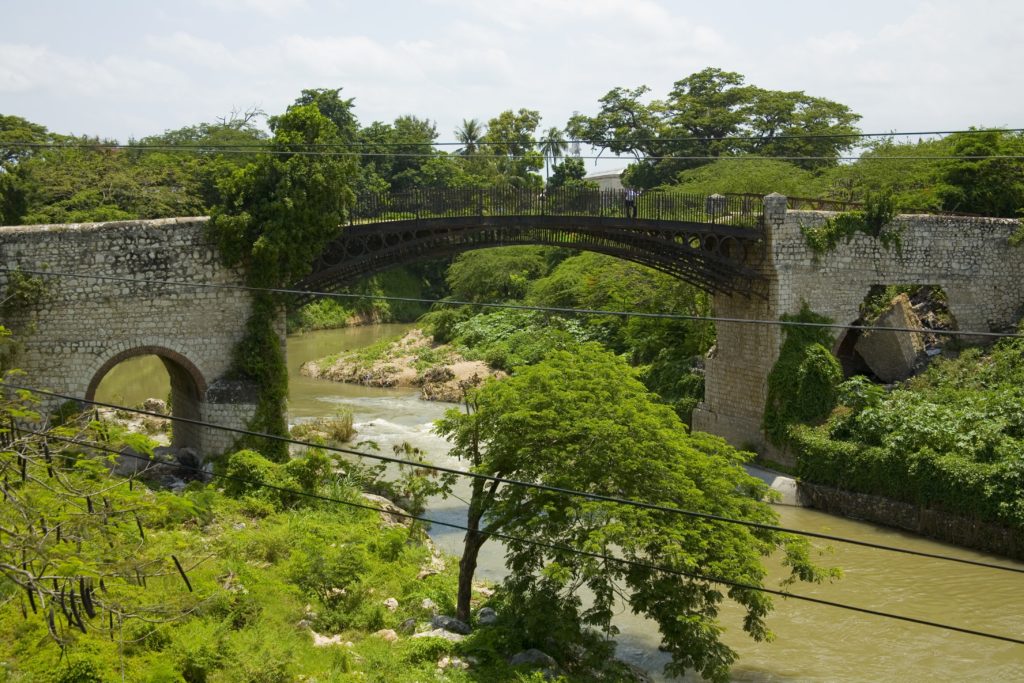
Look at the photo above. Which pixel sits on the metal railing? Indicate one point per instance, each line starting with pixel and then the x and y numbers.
pixel 734 210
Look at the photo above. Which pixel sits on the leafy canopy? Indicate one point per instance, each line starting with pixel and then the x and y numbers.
pixel 714 113
pixel 583 421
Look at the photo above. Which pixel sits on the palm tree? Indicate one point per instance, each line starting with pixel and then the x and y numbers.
pixel 553 146
pixel 470 133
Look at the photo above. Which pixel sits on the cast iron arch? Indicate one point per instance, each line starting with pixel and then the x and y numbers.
pixel 718 258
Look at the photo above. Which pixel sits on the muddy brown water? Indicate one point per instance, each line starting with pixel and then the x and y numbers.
pixel 812 643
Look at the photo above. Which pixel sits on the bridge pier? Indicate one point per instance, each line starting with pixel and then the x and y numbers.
pixel 971 258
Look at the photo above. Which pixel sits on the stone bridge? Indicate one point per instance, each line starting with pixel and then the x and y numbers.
pixel 78 329
pixel 971 258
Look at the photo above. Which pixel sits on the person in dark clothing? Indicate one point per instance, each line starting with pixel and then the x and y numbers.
pixel 631 196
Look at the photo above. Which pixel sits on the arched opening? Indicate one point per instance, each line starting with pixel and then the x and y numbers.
pixel 133 376
pixel 925 308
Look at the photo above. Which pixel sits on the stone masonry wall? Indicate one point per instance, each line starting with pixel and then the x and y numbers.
pixel 970 258
pixel 82 326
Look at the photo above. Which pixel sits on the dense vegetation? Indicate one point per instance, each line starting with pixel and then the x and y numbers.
pixel 950 439
pixel 667 351
pixel 91 589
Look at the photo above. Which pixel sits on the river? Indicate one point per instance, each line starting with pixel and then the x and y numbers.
pixel 813 642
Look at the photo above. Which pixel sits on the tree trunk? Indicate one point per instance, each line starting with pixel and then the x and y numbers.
pixel 467 567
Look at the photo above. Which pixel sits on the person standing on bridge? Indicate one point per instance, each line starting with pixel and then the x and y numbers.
pixel 632 194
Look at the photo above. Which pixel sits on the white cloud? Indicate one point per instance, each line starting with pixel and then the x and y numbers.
pixel 271 8
pixel 207 53
pixel 25 68
pixel 936 61
pixel 836 43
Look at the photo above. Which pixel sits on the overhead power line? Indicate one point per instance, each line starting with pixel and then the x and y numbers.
pixel 525 484
pixel 301 150
pixel 596 142
pixel 585 553
pixel 517 307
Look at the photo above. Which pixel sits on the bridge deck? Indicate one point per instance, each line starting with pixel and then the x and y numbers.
pixel 708 241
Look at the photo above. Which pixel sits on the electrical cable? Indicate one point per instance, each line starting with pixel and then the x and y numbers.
pixel 205 149
pixel 518 307
pixel 594 555
pixel 525 484
pixel 569 141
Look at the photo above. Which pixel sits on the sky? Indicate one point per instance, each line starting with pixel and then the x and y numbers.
pixel 121 69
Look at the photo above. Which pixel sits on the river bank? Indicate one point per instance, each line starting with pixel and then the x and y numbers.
pixel 410 361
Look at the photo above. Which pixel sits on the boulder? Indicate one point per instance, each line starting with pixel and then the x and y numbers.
pixel 391 604
pixel 326 641
pixel 130 462
pixel 892 355
pixel 441 633
pixel 487 616
pixel 155 405
pixel 450 624
pixel 449 662
pixel 390 514
pixel 387 634
pixel 533 657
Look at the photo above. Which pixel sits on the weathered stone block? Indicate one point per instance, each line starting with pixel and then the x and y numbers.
pixel 892 355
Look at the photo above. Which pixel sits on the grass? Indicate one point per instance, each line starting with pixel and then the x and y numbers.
pixel 333 430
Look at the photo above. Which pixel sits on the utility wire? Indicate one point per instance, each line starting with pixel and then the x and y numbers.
pixel 569 141
pixel 585 553
pixel 516 307
pixel 525 484
pixel 272 151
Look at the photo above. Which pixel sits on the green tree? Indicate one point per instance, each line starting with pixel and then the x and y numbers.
pixel 278 215
pixel 74 549
pixel 989 183
pixel 91 180
pixel 709 114
pixel 552 146
pixel 500 274
pixel 890 167
pixel 510 136
pixel 583 421
pixel 666 349
pixel 756 176
pixel 394 155
pixel 13 191
pixel 469 134
pixel 329 102
pixel 569 173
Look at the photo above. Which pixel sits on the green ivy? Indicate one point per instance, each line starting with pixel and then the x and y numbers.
pixel 802 383
pixel 874 220
pixel 23 292
pixel 1017 237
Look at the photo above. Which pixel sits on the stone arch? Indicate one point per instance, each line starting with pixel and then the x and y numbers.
pixel 188 389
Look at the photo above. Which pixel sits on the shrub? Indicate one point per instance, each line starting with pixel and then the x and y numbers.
pixel 802 383
pixel 334 430
pixel 250 475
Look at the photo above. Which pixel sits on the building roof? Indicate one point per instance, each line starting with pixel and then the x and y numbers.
pixel 613 173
